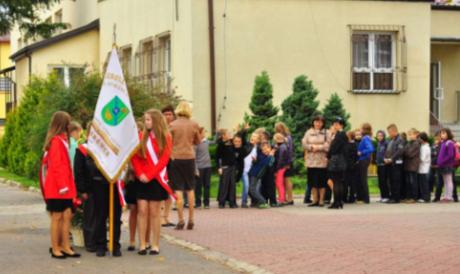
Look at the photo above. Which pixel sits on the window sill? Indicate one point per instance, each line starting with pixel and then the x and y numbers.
pixel 375 91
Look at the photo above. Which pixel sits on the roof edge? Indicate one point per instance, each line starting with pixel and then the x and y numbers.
pixel 44 43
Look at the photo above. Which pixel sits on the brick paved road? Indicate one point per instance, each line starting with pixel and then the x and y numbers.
pixel 376 238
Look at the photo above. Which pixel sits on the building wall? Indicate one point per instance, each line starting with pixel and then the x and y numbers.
pixel 449 57
pixel 80 50
pixel 445 23
pixel 147 19
pixel 4 63
pixel 288 38
pixel 75 13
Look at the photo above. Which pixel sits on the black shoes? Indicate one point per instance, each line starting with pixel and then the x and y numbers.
pixel 59 257
pixel 392 202
pixel 335 206
pixel 100 253
pixel 74 255
pixel 142 252
pixel 91 249
pixel 180 225
pixel 154 252
pixel 116 253
pixel 131 248
pixel 64 254
pixel 168 225
pixel 313 205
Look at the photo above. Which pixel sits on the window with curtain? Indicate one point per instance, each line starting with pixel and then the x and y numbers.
pixel 373 57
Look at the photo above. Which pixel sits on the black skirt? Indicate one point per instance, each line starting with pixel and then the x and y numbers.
pixel 317 177
pixel 151 191
pixel 182 174
pixel 289 172
pixel 58 205
pixel 131 192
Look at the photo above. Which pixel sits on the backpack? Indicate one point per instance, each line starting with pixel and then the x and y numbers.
pixel 457 155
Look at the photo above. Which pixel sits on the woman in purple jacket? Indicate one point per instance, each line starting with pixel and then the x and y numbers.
pixel 446 162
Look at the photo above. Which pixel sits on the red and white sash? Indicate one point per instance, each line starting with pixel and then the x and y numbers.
pixel 162 178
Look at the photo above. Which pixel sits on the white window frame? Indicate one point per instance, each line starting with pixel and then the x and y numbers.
pixel 371 60
pixel 66 69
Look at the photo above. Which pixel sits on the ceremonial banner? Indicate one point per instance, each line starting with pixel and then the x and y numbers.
pixel 113 137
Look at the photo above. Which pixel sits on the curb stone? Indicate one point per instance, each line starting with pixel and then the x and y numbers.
pixel 215 256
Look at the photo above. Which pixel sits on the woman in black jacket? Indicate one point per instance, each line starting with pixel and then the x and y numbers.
pixel 337 163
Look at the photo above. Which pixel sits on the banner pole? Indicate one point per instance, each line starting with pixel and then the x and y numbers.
pixel 111 219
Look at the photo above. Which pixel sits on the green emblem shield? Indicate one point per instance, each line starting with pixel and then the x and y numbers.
pixel 114 112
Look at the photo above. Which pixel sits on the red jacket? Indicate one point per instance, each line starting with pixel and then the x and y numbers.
pixel 146 166
pixel 59 175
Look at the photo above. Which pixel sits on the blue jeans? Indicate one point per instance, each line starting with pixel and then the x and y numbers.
pixel 244 196
pixel 255 188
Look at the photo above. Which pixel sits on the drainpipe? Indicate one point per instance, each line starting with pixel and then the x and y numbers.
pixel 29 57
pixel 212 64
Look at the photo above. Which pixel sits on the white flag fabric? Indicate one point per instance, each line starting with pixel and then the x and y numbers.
pixel 113 137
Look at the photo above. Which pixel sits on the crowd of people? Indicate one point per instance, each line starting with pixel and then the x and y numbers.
pixel 174 163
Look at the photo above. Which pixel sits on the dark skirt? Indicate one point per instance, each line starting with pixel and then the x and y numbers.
pixel 317 177
pixel 151 191
pixel 131 192
pixel 58 205
pixel 289 172
pixel 182 174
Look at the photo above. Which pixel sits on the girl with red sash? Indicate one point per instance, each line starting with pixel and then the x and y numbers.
pixel 58 185
pixel 149 166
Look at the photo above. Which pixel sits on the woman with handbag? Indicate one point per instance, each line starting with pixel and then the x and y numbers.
pixel 337 163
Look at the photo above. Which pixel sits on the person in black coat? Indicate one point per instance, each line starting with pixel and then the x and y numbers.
pixel 352 169
pixel 337 163
pixel 88 176
pixel 85 190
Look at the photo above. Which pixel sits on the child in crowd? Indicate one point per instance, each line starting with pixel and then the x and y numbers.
pixel 203 165
pixel 75 130
pixel 258 170
pixel 365 151
pixel 424 169
pixel 382 169
pixel 411 165
pixel 358 136
pixel 351 172
pixel 226 161
pixel 241 151
pixel 248 162
pixel 282 163
pixel 435 179
pixel 446 163
pixel 268 180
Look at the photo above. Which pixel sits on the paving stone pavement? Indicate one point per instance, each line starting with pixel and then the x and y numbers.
pixel 375 238
pixel 24 242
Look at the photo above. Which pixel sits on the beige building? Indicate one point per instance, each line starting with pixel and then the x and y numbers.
pixel 6 87
pixel 390 61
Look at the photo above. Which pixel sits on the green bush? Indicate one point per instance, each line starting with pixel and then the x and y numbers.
pixel 263 113
pixel 299 110
pixel 26 127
